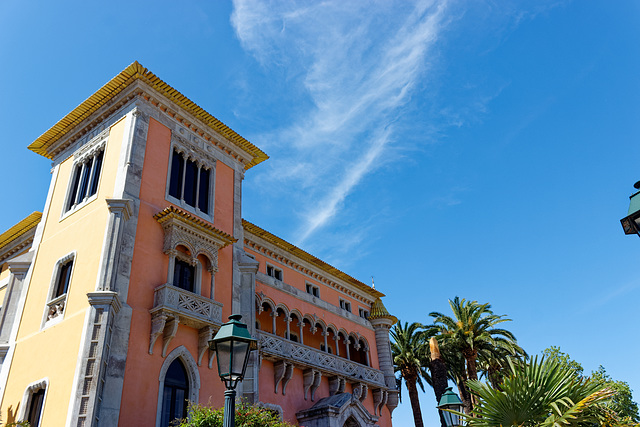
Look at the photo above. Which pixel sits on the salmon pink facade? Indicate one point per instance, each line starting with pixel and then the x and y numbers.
pixel 140 255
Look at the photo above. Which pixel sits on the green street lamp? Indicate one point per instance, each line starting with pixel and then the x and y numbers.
pixel 452 402
pixel 631 222
pixel 232 345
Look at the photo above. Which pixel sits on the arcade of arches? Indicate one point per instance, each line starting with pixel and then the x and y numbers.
pixel 304 329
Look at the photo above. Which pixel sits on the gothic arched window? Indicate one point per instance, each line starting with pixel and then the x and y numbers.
pixel 175 394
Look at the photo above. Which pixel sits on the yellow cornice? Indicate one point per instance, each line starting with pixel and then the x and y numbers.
pixel 379 311
pixel 317 262
pixel 20 228
pixel 172 212
pixel 116 85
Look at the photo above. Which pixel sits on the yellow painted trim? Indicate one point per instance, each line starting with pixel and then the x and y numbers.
pixel 294 250
pixel 20 228
pixel 116 85
pixel 379 311
pixel 172 212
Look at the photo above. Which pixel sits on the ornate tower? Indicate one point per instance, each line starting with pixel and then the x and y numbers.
pixel 382 322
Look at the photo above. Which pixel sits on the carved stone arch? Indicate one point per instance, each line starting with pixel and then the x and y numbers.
pixel 343 332
pixel 365 343
pixel 284 308
pixel 354 337
pixel 193 376
pixel 268 301
pixel 200 237
pixel 322 323
pixel 211 264
pixel 296 313
pixel 331 327
pixel 257 300
pixel 339 410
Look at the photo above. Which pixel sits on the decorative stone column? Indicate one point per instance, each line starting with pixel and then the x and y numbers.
pixel 382 322
pixel 18 268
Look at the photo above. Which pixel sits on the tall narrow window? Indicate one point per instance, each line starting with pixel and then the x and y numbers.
pixel 85 179
pixel 189 182
pixel 184 275
pixel 64 277
pixel 59 287
pixel 35 408
pixel 176 391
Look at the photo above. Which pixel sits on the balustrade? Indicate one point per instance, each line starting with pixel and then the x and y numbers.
pixel 280 348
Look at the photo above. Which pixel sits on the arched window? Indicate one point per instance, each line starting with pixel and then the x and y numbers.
pixel 175 394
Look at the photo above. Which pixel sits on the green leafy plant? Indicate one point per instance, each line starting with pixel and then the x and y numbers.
pixel 246 416
pixel 543 393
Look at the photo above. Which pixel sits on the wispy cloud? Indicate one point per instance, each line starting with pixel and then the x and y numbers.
pixel 359 64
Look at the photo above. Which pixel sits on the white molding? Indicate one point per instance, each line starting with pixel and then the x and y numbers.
pixel 37 238
pixel 26 397
pixel 193 375
pixel 71 256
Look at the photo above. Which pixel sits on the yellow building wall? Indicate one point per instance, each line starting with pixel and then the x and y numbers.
pixel 52 352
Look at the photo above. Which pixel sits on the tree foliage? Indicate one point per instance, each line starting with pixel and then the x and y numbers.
pixel 246 416
pixel 543 393
pixel 409 352
pixel 622 400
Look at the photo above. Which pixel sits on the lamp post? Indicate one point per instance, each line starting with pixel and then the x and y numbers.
pixel 232 345
pixel 451 401
pixel 631 222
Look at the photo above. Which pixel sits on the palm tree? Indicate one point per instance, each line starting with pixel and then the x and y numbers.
pixel 542 393
pixel 409 359
pixel 472 332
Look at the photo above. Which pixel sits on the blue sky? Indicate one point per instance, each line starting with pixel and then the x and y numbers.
pixel 483 149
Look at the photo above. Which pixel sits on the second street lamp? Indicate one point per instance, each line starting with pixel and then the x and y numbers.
pixel 451 401
pixel 232 345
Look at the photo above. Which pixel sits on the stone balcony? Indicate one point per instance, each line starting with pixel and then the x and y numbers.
pixel 173 306
pixel 315 363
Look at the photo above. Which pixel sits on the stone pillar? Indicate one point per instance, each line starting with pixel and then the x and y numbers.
pixel 325 334
pixel 301 325
pixel 172 264
pixel 248 388
pixel 274 314
pixel 347 341
pixel 381 326
pixel 18 268
pixel 120 211
pixel 104 306
pixel 287 334
pixel 95 354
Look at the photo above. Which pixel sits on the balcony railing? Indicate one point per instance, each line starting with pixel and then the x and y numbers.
pixel 192 309
pixel 300 354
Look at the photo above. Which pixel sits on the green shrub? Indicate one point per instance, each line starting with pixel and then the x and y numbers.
pixel 246 416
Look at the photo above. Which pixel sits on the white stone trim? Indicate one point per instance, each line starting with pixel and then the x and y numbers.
pixel 37 238
pixel 89 149
pixel 71 256
pixel 28 393
pixel 193 375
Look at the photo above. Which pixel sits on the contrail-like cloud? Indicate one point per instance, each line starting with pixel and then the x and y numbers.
pixel 358 63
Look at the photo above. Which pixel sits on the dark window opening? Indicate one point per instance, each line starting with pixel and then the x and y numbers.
pixel 274 272
pixel 293 337
pixel 313 290
pixel 35 408
pixel 64 277
pixel 189 182
pixel 184 275
pixel 86 177
pixel 175 394
pixel 177 170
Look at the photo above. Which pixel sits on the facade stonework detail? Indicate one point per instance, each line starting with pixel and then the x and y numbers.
pixel 148 281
